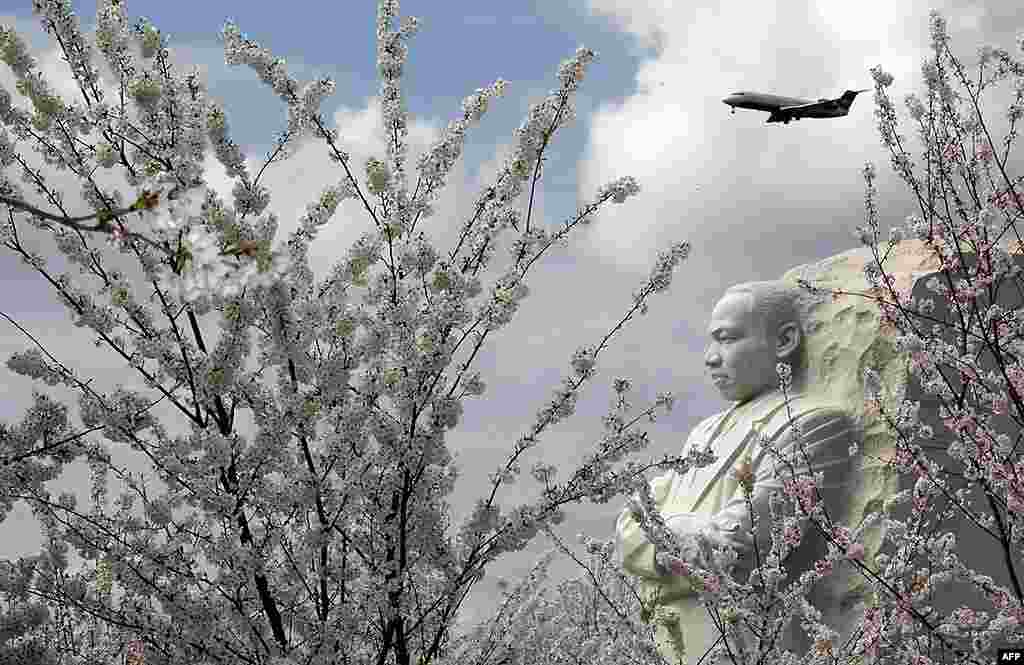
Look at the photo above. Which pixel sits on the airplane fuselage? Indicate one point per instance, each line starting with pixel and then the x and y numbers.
pixel 784 109
pixel 757 101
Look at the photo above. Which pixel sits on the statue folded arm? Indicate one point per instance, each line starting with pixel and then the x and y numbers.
pixel 823 448
pixel 637 552
pixel 826 437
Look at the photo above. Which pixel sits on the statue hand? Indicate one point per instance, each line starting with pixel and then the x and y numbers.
pixel 689 529
pixel 698 537
pixel 684 524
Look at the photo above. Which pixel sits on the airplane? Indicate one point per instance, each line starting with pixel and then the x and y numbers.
pixel 784 109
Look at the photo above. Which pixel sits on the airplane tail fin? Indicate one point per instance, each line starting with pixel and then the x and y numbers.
pixel 847 98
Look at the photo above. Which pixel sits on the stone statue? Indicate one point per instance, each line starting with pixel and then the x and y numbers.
pixel 753 327
pixel 844 338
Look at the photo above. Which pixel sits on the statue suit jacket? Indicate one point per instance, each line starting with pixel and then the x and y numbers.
pixel 710 499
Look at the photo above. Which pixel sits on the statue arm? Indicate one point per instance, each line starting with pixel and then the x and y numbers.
pixel 824 448
pixel 637 552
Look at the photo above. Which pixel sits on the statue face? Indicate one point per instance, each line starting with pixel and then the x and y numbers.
pixel 740 361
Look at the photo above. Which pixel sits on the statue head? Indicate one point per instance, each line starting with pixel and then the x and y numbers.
pixel 754 327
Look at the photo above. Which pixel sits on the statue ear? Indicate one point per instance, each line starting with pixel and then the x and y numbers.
pixel 788 339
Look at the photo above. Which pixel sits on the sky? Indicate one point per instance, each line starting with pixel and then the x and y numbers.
pixel 753 199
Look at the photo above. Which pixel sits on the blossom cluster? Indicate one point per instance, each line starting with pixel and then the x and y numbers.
pixel 329 523
pixel 326 533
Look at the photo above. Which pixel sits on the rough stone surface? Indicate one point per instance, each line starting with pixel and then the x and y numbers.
pixel 844 337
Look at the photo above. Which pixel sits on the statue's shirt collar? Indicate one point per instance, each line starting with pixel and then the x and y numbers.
pixel 729 441
pixel 757 410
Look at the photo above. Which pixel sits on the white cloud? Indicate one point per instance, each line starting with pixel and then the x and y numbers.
pixel 694 159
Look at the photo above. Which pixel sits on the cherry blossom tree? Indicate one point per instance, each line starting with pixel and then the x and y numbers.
pixel 325 536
